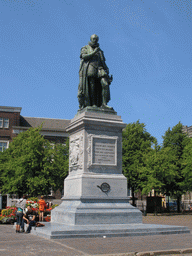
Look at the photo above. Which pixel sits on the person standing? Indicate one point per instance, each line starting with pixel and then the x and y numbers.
pixel 20 204
pixel 42 206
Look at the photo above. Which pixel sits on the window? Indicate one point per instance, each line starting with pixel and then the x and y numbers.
pixel 1 122
pixel 3 145
pixel 4 122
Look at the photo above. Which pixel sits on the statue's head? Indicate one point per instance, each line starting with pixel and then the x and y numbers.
pixel 94 38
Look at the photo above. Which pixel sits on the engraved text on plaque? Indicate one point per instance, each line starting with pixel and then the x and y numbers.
pixel 104 151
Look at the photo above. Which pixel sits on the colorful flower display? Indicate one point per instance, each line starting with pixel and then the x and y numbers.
pixel 8 215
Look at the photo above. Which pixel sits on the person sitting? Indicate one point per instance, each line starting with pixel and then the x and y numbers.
pixel 42 206
pixel 30 218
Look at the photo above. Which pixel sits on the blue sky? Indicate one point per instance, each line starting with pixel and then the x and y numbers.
pixel 147 45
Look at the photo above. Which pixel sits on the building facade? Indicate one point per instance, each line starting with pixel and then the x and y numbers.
pixel 188 130
pixel 12 123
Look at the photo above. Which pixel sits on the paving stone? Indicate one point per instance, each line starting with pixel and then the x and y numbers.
pixel 14 244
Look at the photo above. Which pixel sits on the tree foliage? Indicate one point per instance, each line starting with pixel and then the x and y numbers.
pixel 60 164
pixel 136 142
pixel 187 165
pixel 28 167
pixel 159 171
pixel 176 141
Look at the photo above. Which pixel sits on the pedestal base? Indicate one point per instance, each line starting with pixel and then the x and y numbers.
pixel 89 211
pixel 60 231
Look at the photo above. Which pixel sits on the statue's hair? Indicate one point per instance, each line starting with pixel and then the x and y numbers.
pixel 96 36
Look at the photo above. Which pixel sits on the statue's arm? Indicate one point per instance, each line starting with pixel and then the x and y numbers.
pixel 86 56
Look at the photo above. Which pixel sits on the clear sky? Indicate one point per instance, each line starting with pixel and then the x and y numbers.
pixel 147 46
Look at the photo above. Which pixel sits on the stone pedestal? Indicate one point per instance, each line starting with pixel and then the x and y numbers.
pixel 95 191
pixel 95 201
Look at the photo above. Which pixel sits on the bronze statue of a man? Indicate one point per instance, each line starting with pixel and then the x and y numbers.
pixel 94 76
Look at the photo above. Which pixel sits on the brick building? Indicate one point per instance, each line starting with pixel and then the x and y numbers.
pixel 12 123
pixel 9 117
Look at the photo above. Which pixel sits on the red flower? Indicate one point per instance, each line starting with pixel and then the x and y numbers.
pixel 48 218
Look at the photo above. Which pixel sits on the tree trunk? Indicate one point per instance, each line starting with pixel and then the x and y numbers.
pixel 178 203
pixel 155 202
pixel 168 209
pixel 20 195
pixel 133 196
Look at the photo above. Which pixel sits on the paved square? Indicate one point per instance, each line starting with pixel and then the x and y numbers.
pixel 23 244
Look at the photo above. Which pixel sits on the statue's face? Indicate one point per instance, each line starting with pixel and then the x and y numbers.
pixel 94 38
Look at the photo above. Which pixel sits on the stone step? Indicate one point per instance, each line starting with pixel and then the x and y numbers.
pixel 56 231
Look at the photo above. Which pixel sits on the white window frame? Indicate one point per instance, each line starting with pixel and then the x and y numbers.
pixel 4 141
pixel 1 122
pixel 6 121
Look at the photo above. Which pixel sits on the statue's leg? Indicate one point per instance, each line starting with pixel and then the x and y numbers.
pixel 92 91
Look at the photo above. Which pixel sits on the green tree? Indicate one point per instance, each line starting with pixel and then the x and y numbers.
pixel 187 165
pixel 159 171
pixel 2 162
pixel 136 142
pixel 176 141
pixel 26 167
pixel 60 164
pixel 151 170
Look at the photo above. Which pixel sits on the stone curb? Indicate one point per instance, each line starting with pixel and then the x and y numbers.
pixel 152 253
pixel 186 250
pixel 164 252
